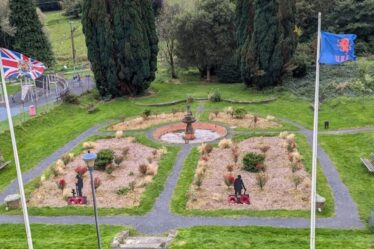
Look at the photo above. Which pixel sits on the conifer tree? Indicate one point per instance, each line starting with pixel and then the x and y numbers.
pixel 122 45
pixel 29 37
pixel 270 41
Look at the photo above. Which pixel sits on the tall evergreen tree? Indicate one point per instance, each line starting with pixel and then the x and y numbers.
pixel 6 30
pixel 267 50
pixel 29 37
pixel 122 45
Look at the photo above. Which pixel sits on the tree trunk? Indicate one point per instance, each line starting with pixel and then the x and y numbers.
pixel 173 73
pixel 208 74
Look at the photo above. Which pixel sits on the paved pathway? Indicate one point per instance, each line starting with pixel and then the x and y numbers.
pixel 160 219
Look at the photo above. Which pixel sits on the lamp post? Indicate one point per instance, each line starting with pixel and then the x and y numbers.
pixel 90 158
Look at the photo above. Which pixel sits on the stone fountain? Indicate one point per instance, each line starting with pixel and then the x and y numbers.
pixel 189 120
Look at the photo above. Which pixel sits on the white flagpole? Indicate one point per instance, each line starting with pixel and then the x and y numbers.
pixel 315 143
pixel 16 159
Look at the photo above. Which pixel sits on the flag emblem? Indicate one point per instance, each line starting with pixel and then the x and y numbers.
pixel 16 65
pixel 337 48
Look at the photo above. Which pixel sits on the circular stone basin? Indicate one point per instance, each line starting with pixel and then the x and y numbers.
pixel 204 132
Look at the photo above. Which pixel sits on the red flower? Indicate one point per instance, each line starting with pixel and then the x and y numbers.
pixel 61 183
pixel 81 170
pixel 204 158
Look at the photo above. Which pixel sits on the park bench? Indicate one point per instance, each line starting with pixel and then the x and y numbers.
pixel 368 163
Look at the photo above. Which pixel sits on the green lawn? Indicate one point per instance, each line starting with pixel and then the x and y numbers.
pixel 345 151
pixel 13 88
pixel 269 238
pixel 59 33
pixel 57 236
pixel 179 200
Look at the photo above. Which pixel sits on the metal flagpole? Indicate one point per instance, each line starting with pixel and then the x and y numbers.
pixel 16 159
pixel 315 143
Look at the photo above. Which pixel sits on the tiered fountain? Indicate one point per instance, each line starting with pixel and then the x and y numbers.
pixel 189 131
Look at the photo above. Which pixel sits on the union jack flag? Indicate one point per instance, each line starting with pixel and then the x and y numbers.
pixel 16 65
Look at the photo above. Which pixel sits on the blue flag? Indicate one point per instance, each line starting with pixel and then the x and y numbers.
pixel 336 48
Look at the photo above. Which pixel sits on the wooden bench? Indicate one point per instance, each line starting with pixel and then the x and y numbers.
pixel 2 166
pixel 369 165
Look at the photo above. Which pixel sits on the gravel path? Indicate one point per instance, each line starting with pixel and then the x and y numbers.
pixel 160 219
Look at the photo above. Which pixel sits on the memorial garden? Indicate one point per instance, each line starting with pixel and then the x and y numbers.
pixel 170 141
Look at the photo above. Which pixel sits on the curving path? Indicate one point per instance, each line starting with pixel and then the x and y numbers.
pixel 160 219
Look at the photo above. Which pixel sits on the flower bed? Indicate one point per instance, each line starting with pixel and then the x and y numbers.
pixel 119 186
pixel 285 183
pixel 244 121
pixel 146 122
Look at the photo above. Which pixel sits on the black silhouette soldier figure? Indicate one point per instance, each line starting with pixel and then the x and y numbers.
pixel 238 186
pixel 79 185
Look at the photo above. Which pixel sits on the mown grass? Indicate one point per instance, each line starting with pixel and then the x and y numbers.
pixel 180 195
pixel 147 199
pixel 57 236
pixel 269 238
pixel 345 151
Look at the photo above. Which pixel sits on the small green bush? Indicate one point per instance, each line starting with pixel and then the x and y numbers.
pixel 123 191
pixel 69 98
pixel 146 113
pixel 251 160
pixel 215 96
pixel 104 157
pixel 239 113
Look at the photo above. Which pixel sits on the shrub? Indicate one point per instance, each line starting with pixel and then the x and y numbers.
pixel 97 182
pixel 260 167
pixel 123 191
pixel 200 172
pixel 69 98
pixel 198 181
pixel 146 113
pixel 295 167
pixel 60 164
pixel 230 168
pixel 143 168
pixel 119 134
pixel 109 168
pixel 229 180
pixel 132 185
pixel 261 180
pixel 229 71
pixel 283 134
pixel 297 180
pixel 189 100
pixel 291 139
pixel 216 112
pixel 294 157
pixel 88 145
pixel 81 170
pixel 229 110
pixel 264 148
pixel 118 159
pixel 66 158
pixel 251 160
pixel 152 169
pixel 214 96
pixel 104 157
pixel 205 148
pixel 61 184
pixel 174 111
pixel 235 153
pixel 91 108
pixel 239 113
pixel 125 151
pixel 225 143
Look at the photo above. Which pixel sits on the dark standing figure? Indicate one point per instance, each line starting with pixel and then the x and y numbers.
pixel 238 186
pixel 79 185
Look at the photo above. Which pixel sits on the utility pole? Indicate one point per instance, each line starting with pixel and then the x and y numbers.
pixel 72 30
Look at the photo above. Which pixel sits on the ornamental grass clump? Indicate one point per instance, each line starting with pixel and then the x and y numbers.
pixel 235 153
pixel 205 148
pixel 215 96
pixel 143 168
pixel 239 113
pixel 225 143
pixel 104 157
pixel 229 180
pixel 109 169
pixel 261 180
pixel 230 167
pixel 198 181
pixel 297 180
pixel 251 160
pixel 119 134
pixel 146 114
pixel 118 159
pixel 152 169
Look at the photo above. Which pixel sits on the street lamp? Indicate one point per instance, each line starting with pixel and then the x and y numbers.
pixel 90 158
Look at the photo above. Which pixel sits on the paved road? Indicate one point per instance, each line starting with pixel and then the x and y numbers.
pixel 160 219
